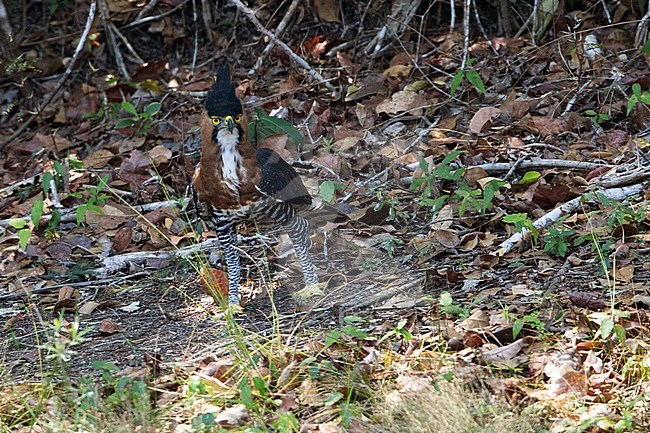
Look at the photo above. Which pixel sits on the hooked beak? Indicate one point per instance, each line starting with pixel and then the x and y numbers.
pixel 230 124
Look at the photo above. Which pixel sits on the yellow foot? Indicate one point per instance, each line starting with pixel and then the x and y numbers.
pixel 233 310
pixel 307 294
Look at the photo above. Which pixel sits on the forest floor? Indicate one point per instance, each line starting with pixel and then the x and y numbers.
pixel 492 275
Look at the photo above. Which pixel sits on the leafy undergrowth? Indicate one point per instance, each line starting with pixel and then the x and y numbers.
pixel 493 275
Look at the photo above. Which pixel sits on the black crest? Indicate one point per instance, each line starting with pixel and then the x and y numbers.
pixel 222 100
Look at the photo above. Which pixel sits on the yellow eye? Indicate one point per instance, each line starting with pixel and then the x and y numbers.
pixel 238 118
pixel 215 120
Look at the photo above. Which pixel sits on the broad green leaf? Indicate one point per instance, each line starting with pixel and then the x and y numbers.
pixel 152 109
pixel 606 328
pixel 281 126
pixel 81 213
pixel 129 108
pixel 530 177
pixel 23 238
pixel 475 79
pixel 45 181
pixel 260 385
pixel 619 331
pixel 455 82
pixel 37 212
pixel 517 327
pixel 17 223
pixel 245 392
pixel 333 398
pixel 124 123
pixel 445 299
pixel 327 189
pixel 353 331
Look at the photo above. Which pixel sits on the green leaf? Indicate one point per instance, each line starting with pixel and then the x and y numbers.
pixel 279 126
pixel 475 79
pixel 530 177
pixel 631 103
pixel 124 123
pixel 152 109
pixel 81 213
pixel 606 328
pixel 333 398
pixel 37 211
pixel 17 223
pixel 23 238
pixel 445 299
pixel 54 220
pixel 355 332
pixel 455 82
pixel 619 331
pixel 327 191
pixel 45 181
pixel 260 385
pixel 636 90
pixel 129 108
pixel 517 327
pixel 245 392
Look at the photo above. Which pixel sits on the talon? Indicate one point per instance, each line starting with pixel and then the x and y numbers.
pixel 308 293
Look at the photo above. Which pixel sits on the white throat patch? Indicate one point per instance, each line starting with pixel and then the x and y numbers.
pixel 231 160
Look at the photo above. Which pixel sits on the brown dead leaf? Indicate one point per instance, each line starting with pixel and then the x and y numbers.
pixel 98 159
pixel 478 320
pixel 160 155
pixel 348 64
pixel 590 300
pixel 108 326
pixel 403 101
pixel 625 273
pixel 278 143
pixel 328 10
pixel 122 239
pixel 135 169
pixel 88 307
pixel 504 353
pixel 447 238
pixel 483 119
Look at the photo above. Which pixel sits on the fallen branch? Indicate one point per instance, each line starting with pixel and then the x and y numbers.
pixel 130 261
pixel 633 176
pixel 70 215
pixel 302 62
pixel 566 209
pixel 533 163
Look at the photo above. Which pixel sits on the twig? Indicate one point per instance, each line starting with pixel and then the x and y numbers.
pixel 64 77
pixel 127 44
pixel 104 13
pixel 395 25
pixel 251 15
pixel 5 24
pixel 146 9
pixel 642 28
pixel 195 55
pixel 467 8
pixel 207 19
pixel 278 32
pixel 567 208
pixel 145 20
